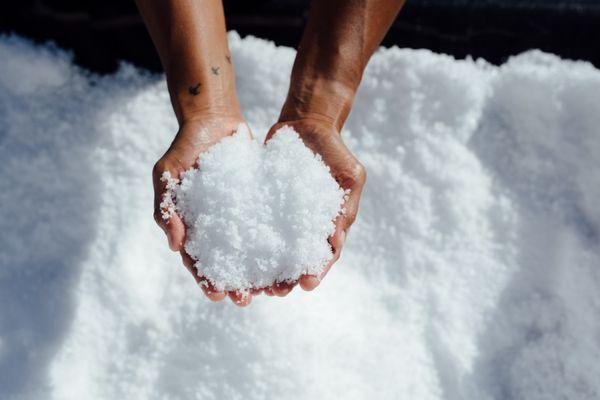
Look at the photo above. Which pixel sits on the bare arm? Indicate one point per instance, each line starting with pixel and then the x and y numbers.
pixel 191 40
pixel 339 39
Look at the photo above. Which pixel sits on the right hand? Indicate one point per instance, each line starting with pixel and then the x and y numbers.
pixel 193 138
pixel 324 139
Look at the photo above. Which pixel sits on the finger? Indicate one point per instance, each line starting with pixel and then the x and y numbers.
pixel 245 127
pixel 210 291
pixel 310 282
pixel 342 225
pixel 338 238
pixel 207 287
pixel 271 132
pixel 271 289
pixel 240 298
pixel 336 241
pixel 282 289
pixel 175 231
pixel 349 212
pixel 164 208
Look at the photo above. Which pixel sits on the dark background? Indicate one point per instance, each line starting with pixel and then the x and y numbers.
pixel 101 33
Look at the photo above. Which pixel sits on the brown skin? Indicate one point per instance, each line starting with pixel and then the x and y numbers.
pixel 338 41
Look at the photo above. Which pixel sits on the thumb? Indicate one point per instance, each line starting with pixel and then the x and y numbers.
pixel 164 208
pixel 349 212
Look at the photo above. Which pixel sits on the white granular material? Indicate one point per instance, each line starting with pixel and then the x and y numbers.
pixel 257 215
pixel 167 205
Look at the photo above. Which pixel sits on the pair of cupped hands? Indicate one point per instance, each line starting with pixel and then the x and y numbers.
pixel 198 134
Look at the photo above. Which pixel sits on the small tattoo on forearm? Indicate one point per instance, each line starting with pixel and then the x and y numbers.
pixel 228 58
pixel 215 70
pixel 195 90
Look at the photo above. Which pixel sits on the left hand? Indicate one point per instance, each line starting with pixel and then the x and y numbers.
pixel 193 138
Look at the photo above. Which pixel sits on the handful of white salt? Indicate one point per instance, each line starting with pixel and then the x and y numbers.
pixel 256 215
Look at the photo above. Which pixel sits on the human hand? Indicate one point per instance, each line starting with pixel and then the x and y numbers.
pixel 323 138
pixel 193 138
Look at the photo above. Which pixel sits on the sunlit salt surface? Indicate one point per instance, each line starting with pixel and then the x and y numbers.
pixel 471 272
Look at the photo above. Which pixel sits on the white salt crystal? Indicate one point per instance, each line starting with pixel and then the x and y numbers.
pixel 255 214
pixel 167 205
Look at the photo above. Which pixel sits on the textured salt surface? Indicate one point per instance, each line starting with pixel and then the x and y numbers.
pixel 256 214
pixel 471 273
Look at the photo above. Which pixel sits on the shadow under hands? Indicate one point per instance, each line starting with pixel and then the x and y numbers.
pixel 49 194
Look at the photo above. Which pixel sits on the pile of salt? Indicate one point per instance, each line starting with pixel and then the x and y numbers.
pixel 255 214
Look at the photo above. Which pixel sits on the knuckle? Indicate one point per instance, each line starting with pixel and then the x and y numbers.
pixel 158 169
pixel 158 217
pixel 168 163
pixel 359 173
pixel 353 176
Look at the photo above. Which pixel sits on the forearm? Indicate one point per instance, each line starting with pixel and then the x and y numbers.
pixel 191 40
pixel 338 41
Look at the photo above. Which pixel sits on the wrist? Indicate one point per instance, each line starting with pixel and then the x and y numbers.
pixel 211 109
pixel 319 99
pixel 203 131
pixel 209 106
pixel 200 90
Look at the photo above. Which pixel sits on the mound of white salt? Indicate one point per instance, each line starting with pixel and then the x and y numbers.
pixel 255 214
